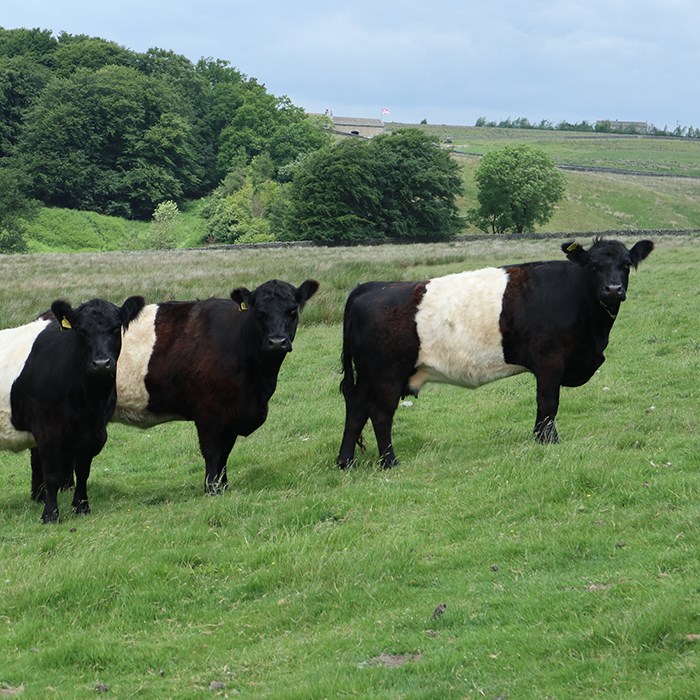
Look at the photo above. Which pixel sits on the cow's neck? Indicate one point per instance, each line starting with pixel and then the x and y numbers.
pixel 610 311
pixel 265 369
pixel 602 319
pixel 98 390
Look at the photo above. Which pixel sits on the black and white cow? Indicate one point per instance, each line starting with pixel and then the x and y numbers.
pixel 549 318
pixel 57 392
pixel 214 362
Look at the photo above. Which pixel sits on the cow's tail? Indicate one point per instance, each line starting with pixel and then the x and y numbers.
pixel 347 383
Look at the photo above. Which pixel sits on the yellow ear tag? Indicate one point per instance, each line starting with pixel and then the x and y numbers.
pixel 243 306
pixel 65 323
pixel 572 247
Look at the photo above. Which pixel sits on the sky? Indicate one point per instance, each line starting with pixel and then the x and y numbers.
pixel 446 61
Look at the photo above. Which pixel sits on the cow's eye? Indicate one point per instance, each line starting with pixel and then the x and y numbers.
pixel 116 329
pixel 293 312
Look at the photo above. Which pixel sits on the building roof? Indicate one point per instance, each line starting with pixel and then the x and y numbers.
pixel 356 121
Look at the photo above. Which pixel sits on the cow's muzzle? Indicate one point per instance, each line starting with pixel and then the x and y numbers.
pixel 278 344
pixel 613 293
pixel 104 365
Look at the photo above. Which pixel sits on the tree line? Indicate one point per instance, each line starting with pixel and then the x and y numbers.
pixel 603 126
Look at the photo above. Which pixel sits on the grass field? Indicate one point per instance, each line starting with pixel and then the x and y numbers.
pixel 566 571
pixel 646 154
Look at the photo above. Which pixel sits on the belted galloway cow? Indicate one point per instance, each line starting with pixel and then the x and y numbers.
pixel 549 318
pixel 57 392
pixel 214 362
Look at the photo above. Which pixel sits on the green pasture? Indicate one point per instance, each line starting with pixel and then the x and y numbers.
pixel 646 154
pixel 483 566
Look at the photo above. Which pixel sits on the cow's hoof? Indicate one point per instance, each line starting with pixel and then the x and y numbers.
pixel 81 508
pixel 547 437
pixel 50 518
pixel 345 463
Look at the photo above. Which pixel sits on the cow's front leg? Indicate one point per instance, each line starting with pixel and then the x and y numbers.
pixel 80 497
pixel 52 482
pixel 38 492
pixel 216 445
pixel 548 387
pixel 52 459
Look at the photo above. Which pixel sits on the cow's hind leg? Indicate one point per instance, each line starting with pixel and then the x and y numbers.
pixel 216 445
pixel 382 407
pixel 356 415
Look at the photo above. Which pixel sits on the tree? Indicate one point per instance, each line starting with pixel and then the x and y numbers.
pixel 15 207
pixel 519 187
pixel 334 196
pixel 38 44
pixel 110 141
pixel 399 185
pixel 21 81
pixel 163 224
pixel 81 51
pixel 419 184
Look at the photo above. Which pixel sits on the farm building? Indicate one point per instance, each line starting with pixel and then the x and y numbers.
pixel 625 127
pixel 358 126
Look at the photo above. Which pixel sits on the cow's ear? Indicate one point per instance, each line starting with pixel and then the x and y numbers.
pixel 64 313
pixel 640 250
pixel 575 252
pixel 306 291
pixel 243 297
pixel 131 308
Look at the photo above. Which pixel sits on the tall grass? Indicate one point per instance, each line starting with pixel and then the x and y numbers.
pixel 567 571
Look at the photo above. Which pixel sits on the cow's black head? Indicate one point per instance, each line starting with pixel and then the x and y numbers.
pixel 274 307
pixel 97 325
pixel 607 264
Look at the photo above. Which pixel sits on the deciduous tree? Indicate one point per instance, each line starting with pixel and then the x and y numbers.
pixel 401 185
pixel 518 187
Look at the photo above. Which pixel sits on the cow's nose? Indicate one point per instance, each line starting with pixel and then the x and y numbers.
pixel 103 364
pixel 279 344
pixel 614 290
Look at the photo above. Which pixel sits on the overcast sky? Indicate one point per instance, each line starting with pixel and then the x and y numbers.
pixel 447 61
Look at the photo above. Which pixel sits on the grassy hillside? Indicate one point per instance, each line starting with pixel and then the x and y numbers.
pixel 666 198
pixel 484 565
pixel 596 201
pixel 67 230
pixel 649 154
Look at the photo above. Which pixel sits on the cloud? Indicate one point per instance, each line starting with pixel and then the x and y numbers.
pixel 445 61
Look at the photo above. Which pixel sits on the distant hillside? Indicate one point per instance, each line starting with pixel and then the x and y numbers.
pixel 635 154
